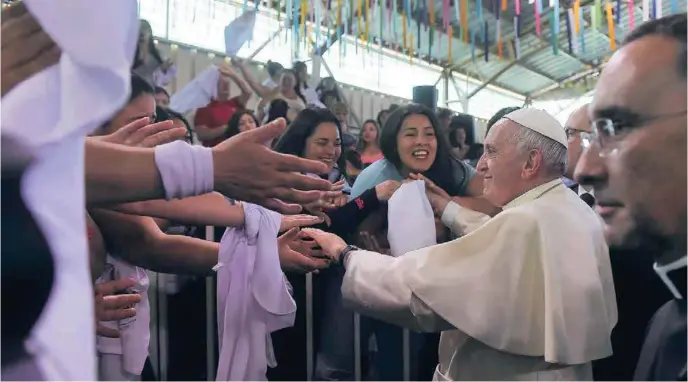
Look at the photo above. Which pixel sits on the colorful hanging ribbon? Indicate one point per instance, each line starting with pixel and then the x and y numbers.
pixel 618 12
pixel 631 14
pixel 245 7
pixel 505 6
pixel 610 30
pixel 538 21
pixel 445 13
pixel 487 43
pixel 569 21
pixel 411 49
pixel 367 20
pixel 403 29
pixel 674 6
pixel 498 38
pixel 555 27
pixel 576 12
pixel 658 9
pixel 450 56
pixel 553 35
pixel 473 46
pixel 431 12
pixel 479 10
pixel 517 40
pixel 464 20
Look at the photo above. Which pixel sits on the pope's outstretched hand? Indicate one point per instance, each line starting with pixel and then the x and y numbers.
pixel 246 169
pixel 331 244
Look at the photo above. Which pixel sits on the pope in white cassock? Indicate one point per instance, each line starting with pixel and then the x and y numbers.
pixel 526 295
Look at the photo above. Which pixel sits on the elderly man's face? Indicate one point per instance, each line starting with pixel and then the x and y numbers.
pixel 577 123
pixel 501 164
pixel 639 176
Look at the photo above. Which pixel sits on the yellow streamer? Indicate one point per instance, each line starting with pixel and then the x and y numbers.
pixel 464 20
pixel 339 13
pixel 449 43
pixel 505 6
pixel 411 49
pixel 403 24
pixel 432 12
pixel 367 19
pixel 304 5
pixel 360 25
pixel 576 16
pixel 610 23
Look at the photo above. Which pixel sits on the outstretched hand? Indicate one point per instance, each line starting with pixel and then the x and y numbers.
pixel 245 169
pixel 111 307
pixel 295 221
pixel 142 134
pixel 331 244
pixel 437 197
pixel 297 255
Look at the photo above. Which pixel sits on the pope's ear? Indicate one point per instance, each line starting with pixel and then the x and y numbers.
pixel 533 164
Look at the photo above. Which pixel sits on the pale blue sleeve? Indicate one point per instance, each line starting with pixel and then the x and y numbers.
pixel 373 175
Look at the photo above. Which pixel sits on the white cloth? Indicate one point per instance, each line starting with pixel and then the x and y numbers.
pixel 410 220
pixel 132 345
pixel 252 296
pixel 238 32
pixel 90 83
pixel 197 93
pixel 527 295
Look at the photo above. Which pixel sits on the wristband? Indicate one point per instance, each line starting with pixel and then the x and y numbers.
pixel 185 170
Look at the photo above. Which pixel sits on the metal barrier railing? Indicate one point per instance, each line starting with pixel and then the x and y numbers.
pixel 159 316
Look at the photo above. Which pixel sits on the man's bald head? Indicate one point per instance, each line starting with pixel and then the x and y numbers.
pixel 577 124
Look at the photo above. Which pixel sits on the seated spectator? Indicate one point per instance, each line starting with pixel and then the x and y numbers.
pixel 460 129
pixel 368 146
pixel 342 113
pixel 444 117
pixel 329 98
pixel 241 121
pixel 274 70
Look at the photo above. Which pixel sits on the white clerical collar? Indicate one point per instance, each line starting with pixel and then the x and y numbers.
pixel 663 270
pixel 534 193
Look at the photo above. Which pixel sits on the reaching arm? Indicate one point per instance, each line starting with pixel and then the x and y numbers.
pixel 208 209
pixel 139 241
pixel 246 91
pixel 205 133
pixel 462 220
pixel 260 89
pixel 374 285
pixel 117 173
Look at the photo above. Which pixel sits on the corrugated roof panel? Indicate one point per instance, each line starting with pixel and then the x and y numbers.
pixel 522 80
pixel 557 67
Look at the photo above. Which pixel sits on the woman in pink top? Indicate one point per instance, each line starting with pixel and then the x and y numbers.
pixel 367 143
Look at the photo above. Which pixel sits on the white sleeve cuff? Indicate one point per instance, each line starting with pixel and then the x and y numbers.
pixel 185 170
pixel 449 213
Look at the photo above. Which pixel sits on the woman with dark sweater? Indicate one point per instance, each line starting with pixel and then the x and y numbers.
pixel 316 134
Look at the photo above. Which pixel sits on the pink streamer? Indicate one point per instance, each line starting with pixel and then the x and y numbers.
pixel 517 5
pixel 538 30
pixel 445 14
pixel 631 15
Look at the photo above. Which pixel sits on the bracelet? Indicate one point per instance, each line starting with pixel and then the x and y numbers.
pixel 185 170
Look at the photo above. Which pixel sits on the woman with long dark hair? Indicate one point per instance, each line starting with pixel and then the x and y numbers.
pixel 241 121
pixel 315 134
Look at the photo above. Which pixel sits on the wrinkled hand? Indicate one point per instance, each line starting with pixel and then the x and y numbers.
pixel 245 169
pixel 297 255
pixel 437 196
pixel 113 308
pixel 331 244
pixel 142 134
pixel 226 70
pixel 371 243
pixel 294 221
pixel 385 189
pixel 26 48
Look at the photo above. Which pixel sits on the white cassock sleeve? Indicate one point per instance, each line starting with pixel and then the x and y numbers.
pixel 374 286
pixel 462 220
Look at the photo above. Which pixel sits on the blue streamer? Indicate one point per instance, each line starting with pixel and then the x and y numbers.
pixel 487 43
pixel 552 35
pixel 654 10
pixel 473 45
pixel 555 26
pixel 674 6
pixel 407 10
pixel 245 7
pixel 569 32
pixel 538 4
pixel 479 9
pixel 257 2
pixel 618 13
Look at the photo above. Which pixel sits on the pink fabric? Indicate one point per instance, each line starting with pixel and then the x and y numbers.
pixel 252 297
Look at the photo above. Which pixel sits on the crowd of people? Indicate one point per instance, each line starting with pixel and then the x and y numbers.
pixel 547 252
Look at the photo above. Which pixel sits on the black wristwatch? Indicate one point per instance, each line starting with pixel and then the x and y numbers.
pixel 345 253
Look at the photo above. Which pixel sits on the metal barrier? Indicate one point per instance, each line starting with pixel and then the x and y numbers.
pixel 159 332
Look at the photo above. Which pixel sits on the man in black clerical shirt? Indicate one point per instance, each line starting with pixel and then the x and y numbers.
pixel 637 165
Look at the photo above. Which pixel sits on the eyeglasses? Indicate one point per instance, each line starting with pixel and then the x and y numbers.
pixel 584 135
pixel 605 133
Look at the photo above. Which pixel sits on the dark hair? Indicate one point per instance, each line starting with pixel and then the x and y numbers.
pixel 293 141
pixel 274 68
pixel 466 123
pixel 444 113
pixel 380 114
pixel 298 65
pixel 164 114
pixel 278 108
pixel 297 84
pixel 233 124
pixel 674 27
pixel 361 145
pixel 499 115
pixel 442 170
pixel 152 49
pixel 159 89
pixel 140 86
pixel 329 93
pixel 321 84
